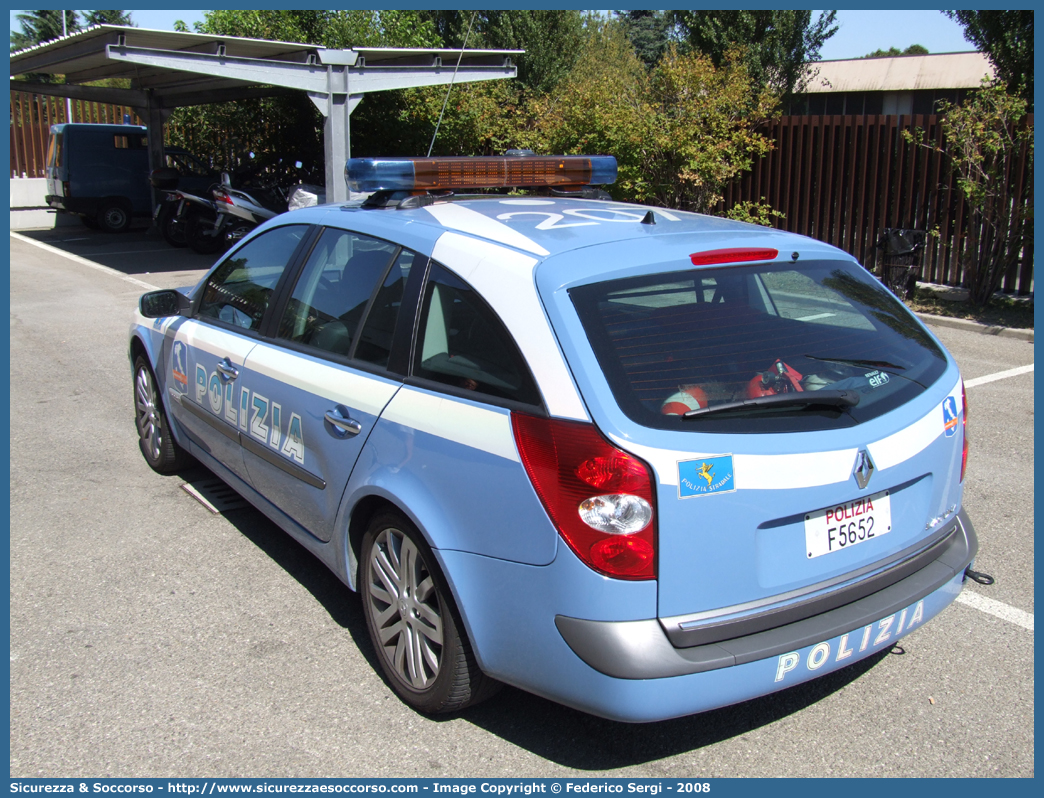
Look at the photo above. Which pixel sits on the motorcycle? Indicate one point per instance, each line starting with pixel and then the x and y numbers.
pixel 246 208
pixel 181 212
pixel 176 205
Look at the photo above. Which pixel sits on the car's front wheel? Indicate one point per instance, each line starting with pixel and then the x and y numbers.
pixel 413 622
pixel 160 450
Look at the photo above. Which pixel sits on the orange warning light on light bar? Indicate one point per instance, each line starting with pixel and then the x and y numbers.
pixel 508 171
pixel 732 255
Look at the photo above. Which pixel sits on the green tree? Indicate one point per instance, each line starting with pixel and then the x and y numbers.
pixel 106 18
pixel 551 39
pixel 650 32
pixel 779 44
pixel 290 126
pixel 680 132
pixel 892 52
pixel 42 26
pixel 984 139
pixel 1007 39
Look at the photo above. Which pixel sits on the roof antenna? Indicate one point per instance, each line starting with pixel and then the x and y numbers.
pixel 650 218
pixel 450 87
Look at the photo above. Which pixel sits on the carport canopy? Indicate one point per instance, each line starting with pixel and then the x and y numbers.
pixel 169 70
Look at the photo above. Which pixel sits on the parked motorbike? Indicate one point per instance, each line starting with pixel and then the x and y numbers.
pixel 176 205
pixel 183 216
pixel 242 200
pixel 247 207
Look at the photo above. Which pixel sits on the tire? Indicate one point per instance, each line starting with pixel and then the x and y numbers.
pixel 114 216
pixel 171 227
pixel 413 623
pixel 157 446
pixel 198 240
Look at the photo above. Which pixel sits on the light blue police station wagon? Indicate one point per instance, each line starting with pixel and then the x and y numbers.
pixel 641 462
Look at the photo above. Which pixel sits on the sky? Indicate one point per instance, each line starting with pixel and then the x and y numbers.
pixel 861 32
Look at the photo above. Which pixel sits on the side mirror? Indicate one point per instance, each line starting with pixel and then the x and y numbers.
pixel 225 179
pixel 166 302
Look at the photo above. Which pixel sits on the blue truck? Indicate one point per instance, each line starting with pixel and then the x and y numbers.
pixel 101 173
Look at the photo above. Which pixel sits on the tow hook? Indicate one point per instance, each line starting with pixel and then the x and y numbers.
pixel 978 576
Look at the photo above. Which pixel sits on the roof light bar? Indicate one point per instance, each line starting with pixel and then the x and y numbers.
pixel 732 255
pixel 505 171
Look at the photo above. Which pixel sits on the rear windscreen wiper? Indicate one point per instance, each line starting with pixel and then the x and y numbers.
pixel 877 364
pixel 826 398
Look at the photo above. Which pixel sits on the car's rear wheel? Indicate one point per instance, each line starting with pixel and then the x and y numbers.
pixel 160 450
pixel 114 216
pixel 413 622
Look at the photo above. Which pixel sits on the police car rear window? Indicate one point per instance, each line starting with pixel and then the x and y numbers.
pixel 673 342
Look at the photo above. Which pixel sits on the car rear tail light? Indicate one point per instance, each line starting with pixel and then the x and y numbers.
pixel 964 430
pixel 222 196
pixel 600 498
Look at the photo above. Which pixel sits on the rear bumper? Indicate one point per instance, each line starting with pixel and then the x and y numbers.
pixel 618 662
pixel 88 206
pixel 643 650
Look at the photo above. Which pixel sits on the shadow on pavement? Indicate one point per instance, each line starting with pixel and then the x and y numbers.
pixel 577 740
pixel 140 251
pixel 554 732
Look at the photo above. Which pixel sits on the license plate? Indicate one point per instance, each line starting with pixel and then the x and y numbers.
pixel 845 525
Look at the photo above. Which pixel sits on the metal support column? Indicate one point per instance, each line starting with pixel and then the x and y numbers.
pixel 155 118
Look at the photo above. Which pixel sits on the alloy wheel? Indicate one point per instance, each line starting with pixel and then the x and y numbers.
pixel 149 426
pixel 404 606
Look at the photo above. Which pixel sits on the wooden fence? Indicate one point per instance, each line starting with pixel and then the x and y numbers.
pixel 32 116
pixel 843 179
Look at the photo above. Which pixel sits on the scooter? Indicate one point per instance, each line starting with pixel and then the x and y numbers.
pixel 180 212
pixel 246 210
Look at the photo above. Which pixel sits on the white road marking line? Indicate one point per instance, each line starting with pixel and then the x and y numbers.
pixel 997 608
pixel 1000 375
pixel 83 261
pixel 816 316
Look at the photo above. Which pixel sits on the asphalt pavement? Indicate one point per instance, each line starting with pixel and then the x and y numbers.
pixel 153 637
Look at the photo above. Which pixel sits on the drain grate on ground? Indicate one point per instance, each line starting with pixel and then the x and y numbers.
pixel 215 495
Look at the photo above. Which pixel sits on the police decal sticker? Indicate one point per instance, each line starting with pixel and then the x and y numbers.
pixel 706 475
pixel 177 367
pixel 949 408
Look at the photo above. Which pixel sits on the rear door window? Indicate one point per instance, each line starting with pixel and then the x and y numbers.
pixel 679 341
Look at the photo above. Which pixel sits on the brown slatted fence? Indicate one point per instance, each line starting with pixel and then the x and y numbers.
pixel 843 179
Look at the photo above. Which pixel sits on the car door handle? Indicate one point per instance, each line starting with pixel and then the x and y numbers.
pixel 227 370
pixel 342 422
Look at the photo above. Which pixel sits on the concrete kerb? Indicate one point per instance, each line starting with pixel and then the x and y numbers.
pixel 977 327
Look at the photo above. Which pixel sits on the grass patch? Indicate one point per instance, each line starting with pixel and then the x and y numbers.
pixel 1002 312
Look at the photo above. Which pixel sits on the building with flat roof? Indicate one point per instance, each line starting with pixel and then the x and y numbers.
pixel 904 84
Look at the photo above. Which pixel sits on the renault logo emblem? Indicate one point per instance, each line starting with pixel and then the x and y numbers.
pixel 864 468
